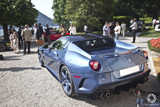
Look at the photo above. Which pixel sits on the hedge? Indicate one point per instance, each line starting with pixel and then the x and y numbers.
pixel 152 48
pixel 126 19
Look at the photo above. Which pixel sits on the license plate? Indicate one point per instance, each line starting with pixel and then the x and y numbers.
pixel 130 70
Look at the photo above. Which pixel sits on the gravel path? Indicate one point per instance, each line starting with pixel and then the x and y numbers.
pixel 23 83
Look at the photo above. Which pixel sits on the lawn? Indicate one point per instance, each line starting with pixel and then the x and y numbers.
pixel 147 19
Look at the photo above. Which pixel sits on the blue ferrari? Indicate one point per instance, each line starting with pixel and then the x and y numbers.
pixel 94 66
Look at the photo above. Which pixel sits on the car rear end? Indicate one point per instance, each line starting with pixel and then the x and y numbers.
pixel 111 69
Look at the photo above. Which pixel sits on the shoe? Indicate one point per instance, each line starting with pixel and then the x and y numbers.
pixel 133 42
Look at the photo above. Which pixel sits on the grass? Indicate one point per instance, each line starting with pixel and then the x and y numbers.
pixel 147 19
pixel 149 32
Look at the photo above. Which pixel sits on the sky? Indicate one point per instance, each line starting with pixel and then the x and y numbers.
pixel 44 6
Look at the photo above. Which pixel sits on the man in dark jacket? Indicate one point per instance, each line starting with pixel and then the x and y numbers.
pixel 48 34
pixel 41 31
pixel 20 42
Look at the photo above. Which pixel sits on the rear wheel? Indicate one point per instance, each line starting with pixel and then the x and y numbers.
pixel 3 47
pixel 67 82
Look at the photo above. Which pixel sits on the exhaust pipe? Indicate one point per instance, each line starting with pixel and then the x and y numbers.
pixel 102 96
pixel 108 94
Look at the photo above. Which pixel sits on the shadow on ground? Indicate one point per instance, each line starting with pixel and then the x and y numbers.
pixel 17 69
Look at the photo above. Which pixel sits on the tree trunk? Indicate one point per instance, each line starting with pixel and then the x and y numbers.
pixel 5 29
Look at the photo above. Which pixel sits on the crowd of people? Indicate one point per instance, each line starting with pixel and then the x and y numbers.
pixel 110 31
pixel 156 25
pixel 24 36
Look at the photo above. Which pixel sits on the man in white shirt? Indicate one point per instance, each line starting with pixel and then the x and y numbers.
pixel 123 26
pixel 117 30
pixel 153 23
pixel 72 30
pixel 134 29
pixel 85 29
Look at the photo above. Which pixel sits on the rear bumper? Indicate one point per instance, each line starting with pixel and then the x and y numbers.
pixel 115 87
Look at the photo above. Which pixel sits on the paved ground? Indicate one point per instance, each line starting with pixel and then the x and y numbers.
pixel 23 83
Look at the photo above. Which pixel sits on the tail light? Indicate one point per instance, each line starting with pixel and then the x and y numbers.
pixel 145 54
pixel 95 65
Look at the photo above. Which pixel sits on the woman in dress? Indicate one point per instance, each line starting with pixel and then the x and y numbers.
pixel 15 41
pixel 11 38
pixel 63 32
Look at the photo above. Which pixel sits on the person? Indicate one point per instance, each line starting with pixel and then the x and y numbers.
pixel 32 31
pixel 26 37
pixel 20 42
pixel 123 26
pixel 63 32
pixel 106 29
pixel 35 30
pixel 117 30
pixel 153 23
pixel 15 41
pixel 131 22
pixel 72 30
pixel 38 34
pixel 85 29
pixel 41 31
pixel 134 28
pixel 157 27
pixel 11 38
pixel 157 22
pixel 111 29
pixel 48 34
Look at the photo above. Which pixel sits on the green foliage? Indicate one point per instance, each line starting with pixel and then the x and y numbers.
pixel 152 48
pixel 89 12
pixel 59 12
pixel 17 12
pixel 126 19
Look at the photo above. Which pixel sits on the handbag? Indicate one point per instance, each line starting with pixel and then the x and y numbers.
pixel 40 42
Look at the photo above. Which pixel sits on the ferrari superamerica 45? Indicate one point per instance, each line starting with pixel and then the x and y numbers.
pixel 94 66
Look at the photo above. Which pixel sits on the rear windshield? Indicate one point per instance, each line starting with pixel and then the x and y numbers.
pixel 96 43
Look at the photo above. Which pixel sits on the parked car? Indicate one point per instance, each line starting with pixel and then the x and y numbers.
pixel 141 26
pixel 54 35
pixel 94 66
pixel 4 45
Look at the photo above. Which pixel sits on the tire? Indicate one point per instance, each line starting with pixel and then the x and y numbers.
pixel 67 82
pixel 40 60
pixel 3 47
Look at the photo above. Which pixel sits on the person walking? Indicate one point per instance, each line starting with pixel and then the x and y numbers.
pixel 153 23
pixel 63 31
pixel 134 29
pixel 85 29
pixel 35 30
pixel 72 30
pixel 117 30
pixel 41 31
pixel 111 29
pixel 106 29
pixel 15 41
pixel 11 38
pixel 26 37
pixel 48 34
pixel 20 42
pixel 123 26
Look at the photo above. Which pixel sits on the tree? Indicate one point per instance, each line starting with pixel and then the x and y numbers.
pixel 89 12
pixel 59 12
pixel 16 12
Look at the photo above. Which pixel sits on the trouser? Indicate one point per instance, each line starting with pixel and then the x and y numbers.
pixel 134 35
pixel 42 36
pixel 153 25
pixel 116 36
pixel 123 32
pixel 24 47
pixel 49 41
pixel 20 42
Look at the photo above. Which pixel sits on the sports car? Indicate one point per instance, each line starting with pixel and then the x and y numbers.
pixel 4 45
pixel 94 66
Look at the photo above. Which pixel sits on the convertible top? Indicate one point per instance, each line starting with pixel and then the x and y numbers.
pixel 82 37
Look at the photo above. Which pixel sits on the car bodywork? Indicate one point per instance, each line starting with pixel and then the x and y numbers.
pixel 117 64
pixel 54 35
pixel 4 45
